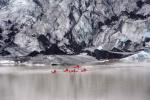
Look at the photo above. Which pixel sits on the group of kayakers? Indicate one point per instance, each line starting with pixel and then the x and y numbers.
pixel 72 69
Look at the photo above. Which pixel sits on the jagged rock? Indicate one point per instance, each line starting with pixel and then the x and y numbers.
pixel 103 54
pixel 69 26
pixel 121 49
pixel 146 39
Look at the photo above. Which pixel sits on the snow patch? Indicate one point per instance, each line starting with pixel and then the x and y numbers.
pixel 100 48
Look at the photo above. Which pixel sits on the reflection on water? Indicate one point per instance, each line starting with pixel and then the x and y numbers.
pixel 102 84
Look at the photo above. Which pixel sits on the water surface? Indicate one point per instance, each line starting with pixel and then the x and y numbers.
pixel 99 83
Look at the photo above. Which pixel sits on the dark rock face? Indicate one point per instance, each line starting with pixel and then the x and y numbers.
pixel 31 27
pixel 121 49
pixel 103 54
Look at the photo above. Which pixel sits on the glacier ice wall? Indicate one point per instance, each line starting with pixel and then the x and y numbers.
pixel 69 26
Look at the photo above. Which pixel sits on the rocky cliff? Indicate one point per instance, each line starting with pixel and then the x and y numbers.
pixel 29 27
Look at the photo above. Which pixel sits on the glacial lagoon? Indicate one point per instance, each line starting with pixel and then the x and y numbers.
pixel 99 82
